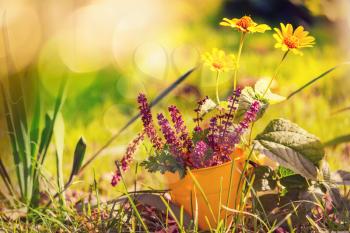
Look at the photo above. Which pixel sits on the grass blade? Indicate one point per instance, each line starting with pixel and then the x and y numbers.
pixel 34 130
pixel 338 140
pixel 316 79
pixel 14 146
pixel 45 142
pixel 6 178
pixel 133 205
pixel 203 195
pixel 59 142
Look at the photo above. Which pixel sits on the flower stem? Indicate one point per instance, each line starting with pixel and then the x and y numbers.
pixel 276 72
pixel 217 88
pixel 237 59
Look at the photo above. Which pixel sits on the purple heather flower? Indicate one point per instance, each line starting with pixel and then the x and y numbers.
pixel 225 145
pixel 213 133
pixel 169 135
pixel 180 127
pixel 197 110
pixel 198 155
pixel 249 117
pixel 127 159
pixel 147 120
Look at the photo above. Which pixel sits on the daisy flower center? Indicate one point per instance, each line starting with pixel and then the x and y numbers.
pixel 245 22
pixel 217 65
pixel 292 42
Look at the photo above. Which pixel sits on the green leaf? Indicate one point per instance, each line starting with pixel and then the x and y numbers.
pixel 49 125
pixel 59 143
pixel 291 146
pixel 248 96
pixel 6 178
pixel 59 134
pixel 284 172
pixel 164 162
pixel 34 130
pixel 79 155
pixel 294 182
pixel 264 179
pixel 261 93
pixel 45 133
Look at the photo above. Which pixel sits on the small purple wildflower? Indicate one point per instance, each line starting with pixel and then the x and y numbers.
pixel 197 110
pixel 198 155
pixel 249 117
pixel 180 127
pixel 213 133
pixel 229 117
pixel 169 135
pixel 223 144
pixel 127 159
pixel 147 120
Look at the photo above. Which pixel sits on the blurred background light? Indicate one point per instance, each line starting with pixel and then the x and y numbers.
pixel 20 20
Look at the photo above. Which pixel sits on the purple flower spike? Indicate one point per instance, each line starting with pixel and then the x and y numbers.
pixel 169 135
pixel 249 117
pixel 147 120
pixel 199 153
pixel 180 127
pixel 127 159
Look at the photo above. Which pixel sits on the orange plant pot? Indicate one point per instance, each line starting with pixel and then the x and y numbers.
pixel 185 192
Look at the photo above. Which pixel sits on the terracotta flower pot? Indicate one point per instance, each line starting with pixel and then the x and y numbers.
pixel 185 192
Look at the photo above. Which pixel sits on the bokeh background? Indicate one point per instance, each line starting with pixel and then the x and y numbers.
pixel 111 50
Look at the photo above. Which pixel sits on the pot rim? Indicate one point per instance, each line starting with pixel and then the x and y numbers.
pixel 198 170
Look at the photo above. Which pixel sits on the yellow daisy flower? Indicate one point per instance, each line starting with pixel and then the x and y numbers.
pixel 219 61
pixel 293 40
pixel 244 24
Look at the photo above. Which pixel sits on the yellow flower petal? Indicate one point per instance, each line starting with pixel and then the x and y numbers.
pixel 245 24
pixel 289 39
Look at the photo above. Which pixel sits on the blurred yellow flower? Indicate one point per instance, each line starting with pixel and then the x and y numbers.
pixel 244 24
pixel 218 60
pixel 287 39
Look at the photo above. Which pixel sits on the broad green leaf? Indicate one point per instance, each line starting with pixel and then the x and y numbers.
pixel 263 93
pixel 291 146
pixel 248 96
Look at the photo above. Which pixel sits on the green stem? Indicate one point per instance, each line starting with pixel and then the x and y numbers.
pixel 217 88
pixel 241 42
pixel 276 72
